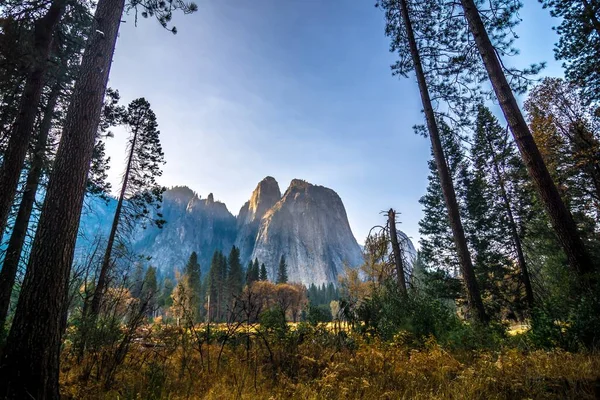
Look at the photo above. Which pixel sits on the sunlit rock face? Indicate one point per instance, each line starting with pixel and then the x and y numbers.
pixel 265 196
pixel 310 227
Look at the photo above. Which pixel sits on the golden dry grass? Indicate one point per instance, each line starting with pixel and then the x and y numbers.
pixel 311 369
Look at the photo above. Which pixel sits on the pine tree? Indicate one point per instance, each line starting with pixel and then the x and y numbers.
pixel 322 295
pixel 560 217
pixel 249 273
pixel 165 300
pixel 149 291
pixel 16 49
pixel 97 180
pixel 222 299
pixel 217 278
pixel 252 271
pixel 455 73
pixel 399 26
pixel 452 69
pixel 18 235
pixel 282 275
pixel 60 75
pixel 486 224
pixel 568 135
pixel 213 285
pixel 29 366
pixel 193 282
pixel 438 254
pixel 263 273
pixel 579 42
pixel 139 192
pixel 16 150
pixel 33 347
pixel 492 200
pixel 255 270
pixel 235 277
pixel 112 113
pixel 437 243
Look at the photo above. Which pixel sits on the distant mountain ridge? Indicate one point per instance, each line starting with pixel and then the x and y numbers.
pixel 308 224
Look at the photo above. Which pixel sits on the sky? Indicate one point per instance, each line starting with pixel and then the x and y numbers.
pixel 289 89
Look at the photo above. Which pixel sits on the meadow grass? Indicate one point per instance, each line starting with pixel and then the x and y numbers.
pixel 313 363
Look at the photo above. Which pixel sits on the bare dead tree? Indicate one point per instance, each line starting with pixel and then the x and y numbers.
pixel 396 251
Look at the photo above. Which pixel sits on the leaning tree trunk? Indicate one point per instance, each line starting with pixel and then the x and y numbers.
pixel 103 276
pixel 397 252
pixel 30 364
pixel 466 264
pixel 513 228
pixel 19 231
pixel 560 217
pixel 15 153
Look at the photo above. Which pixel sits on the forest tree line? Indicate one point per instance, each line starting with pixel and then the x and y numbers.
pixel 230 292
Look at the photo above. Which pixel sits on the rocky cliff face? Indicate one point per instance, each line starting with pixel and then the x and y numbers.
pixel 193 224
pixel 265 196
pixel 310 227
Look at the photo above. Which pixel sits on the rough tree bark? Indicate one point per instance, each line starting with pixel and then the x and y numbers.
pixel 15 153
pixel 560 217
pixel 19 232
pixel 396 251
pixel 30 364
pixel 466 264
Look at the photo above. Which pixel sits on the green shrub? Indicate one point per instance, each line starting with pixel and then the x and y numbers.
pixel 569 326
pixel 318 314
pixel 273 321
pixel 388 312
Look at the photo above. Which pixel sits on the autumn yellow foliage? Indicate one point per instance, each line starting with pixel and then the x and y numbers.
pixel 314 363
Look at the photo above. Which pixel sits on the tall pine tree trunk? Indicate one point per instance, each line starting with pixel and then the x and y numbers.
pixel 396 251
pixel 466 264
pixel 103 276
pixel 19 232
pixel 30 364
pixel 560 217
pixel 513 228
pixel 15 153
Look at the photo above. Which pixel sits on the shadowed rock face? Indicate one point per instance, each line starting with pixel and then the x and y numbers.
pixel 193 224
pixel 310 227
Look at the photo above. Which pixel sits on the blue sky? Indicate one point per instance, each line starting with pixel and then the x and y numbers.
pixel 292 89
